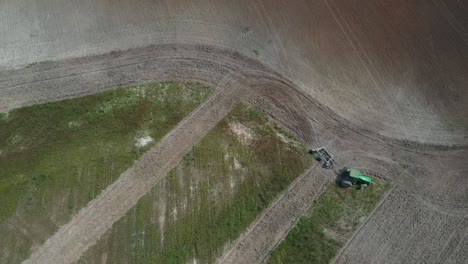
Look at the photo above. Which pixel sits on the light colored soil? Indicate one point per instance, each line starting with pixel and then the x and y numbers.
pixel 383 81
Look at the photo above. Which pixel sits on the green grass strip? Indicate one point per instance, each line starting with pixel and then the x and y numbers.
pixel 328 224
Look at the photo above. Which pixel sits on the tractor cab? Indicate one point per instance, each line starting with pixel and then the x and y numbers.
pixel 350 177
pixel 358 177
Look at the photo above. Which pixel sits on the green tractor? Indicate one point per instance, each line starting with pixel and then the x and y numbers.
pixel 350 177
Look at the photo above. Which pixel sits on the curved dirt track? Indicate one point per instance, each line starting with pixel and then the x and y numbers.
pixel 412 166
pixel 397 68
pixel 310 120
pixel 384 81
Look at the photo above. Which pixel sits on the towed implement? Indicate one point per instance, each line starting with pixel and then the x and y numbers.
pixel 321 155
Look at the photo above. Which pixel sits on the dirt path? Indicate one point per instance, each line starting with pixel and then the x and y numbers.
pixel 277 220
pixel 85 228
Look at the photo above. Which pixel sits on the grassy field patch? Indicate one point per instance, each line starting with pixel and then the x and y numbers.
pixel 56 157
pixel 328 224
pixel 210 198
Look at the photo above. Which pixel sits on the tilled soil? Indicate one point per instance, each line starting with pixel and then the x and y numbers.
pixel 403 230
pixel 431 176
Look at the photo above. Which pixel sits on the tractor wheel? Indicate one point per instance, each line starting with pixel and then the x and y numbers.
pixel 346 184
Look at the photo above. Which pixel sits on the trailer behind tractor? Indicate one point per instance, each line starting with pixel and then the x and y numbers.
pixel 321 155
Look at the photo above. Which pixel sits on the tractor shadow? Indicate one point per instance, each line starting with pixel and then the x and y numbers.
pixel 342 178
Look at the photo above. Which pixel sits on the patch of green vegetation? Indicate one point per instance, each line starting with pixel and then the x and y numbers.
pixel 210 198
pixel 256 52
pixel 56 157
pixel 328 224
